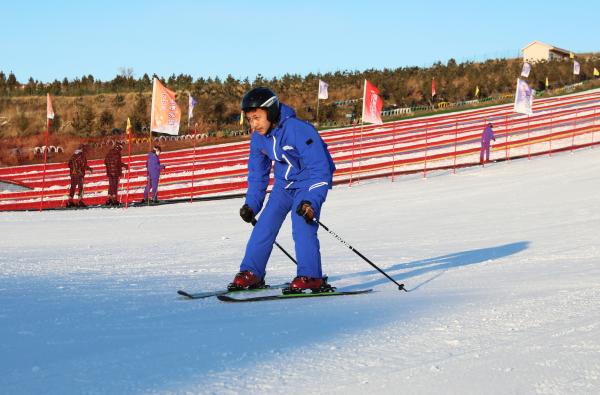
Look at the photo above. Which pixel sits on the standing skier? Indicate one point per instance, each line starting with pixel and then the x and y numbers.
pixel 77 167
pixel 114 171
pixel 486 137
pixel 303 175
pixel 153 168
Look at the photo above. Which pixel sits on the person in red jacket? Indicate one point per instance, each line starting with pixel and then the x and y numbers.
pixel 114 171
pixel 77 167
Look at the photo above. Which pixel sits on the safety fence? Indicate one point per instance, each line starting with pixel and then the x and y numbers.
pixel 463 103
pixel 110 142
pixel 445 141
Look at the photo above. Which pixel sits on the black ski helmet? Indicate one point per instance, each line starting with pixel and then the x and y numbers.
pixel 262 98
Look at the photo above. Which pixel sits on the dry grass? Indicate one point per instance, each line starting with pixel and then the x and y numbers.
pixel 19 138
pixel 19 151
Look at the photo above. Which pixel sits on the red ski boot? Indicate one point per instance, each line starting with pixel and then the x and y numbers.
pixel 302 283
pixel 246 280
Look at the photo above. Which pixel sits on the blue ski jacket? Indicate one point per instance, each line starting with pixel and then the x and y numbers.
pixel 302 161
pixel 153 165
pixel 487 136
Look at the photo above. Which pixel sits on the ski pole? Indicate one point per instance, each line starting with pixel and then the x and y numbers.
pixel 277 244
pixel 400 286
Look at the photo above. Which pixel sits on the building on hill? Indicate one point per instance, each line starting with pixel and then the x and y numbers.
pixel 537 51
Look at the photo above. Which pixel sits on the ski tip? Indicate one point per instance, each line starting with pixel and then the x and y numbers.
pixel 183 293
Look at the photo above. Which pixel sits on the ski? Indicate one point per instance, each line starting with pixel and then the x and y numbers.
pixel 228 298
pixel 208 294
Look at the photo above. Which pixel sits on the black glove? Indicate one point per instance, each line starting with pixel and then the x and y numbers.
pixel 246 213
pixel 305 210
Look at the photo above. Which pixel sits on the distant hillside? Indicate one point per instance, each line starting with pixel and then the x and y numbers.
pixel 91 109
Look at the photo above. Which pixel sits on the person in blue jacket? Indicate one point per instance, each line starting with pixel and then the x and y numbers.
pixel 486 137
pixel 303 174
pixel 153 168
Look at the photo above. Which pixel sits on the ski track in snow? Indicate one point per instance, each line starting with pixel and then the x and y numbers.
pixel 502 263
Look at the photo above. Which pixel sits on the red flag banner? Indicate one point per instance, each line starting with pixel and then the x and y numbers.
pixel 432 87
pixel 49 109
pixel 372 104
pixel 165 113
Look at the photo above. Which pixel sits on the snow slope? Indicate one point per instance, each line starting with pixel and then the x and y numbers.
pixel 503 264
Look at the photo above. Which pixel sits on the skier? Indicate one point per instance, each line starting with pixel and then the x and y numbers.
pixel 77 167
pixel 486 137
pixel 303 175
pixel 153 168
pixel 114 171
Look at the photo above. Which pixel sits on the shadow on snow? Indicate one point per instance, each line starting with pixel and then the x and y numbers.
pixel 98 335
pixel 403 271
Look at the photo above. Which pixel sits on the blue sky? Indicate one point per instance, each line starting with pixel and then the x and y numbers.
pixel 57 39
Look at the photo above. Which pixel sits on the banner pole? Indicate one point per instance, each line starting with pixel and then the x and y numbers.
pixel 426 147
pixel 528 140
pixel 551 131
pixel 129 167
pixel 360 149
pixel 593 127
pixel 394 153
pixel 317 120
pixel 506 131
pixel 45 158
pixel 573 132
pixel 194 163
pixel 455 140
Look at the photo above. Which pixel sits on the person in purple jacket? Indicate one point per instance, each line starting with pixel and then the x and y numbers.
pixel 153 168
pixel 486 137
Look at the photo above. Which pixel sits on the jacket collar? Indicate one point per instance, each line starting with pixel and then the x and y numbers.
pixel 286 112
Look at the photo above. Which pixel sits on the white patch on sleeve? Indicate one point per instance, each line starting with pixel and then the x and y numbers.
pixel 317 185
pixel 287 173
pixel 274 150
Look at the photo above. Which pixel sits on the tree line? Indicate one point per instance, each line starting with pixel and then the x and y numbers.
pixel 218 99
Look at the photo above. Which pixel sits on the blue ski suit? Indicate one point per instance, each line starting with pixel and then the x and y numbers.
pixel 303 172
pixel 153 168
pixel 486 137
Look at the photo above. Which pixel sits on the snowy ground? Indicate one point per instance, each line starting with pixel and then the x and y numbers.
pixel 503 264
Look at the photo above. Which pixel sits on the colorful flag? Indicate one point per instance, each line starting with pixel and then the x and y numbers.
pixel 372 104
pixel 432 87
pixel 477 91
pixel 526 70
pixel 49 109
pixel 128 126
pixel 596 73
pixel 242 117
pixel 165 114
pixel 323 93
pixel 523 98
pixel 547 84
pixel 576 67
pixel 191 104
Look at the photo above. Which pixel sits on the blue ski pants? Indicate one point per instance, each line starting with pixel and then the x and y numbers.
pixel 151 183
pixel 258 250
pixel 485 149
